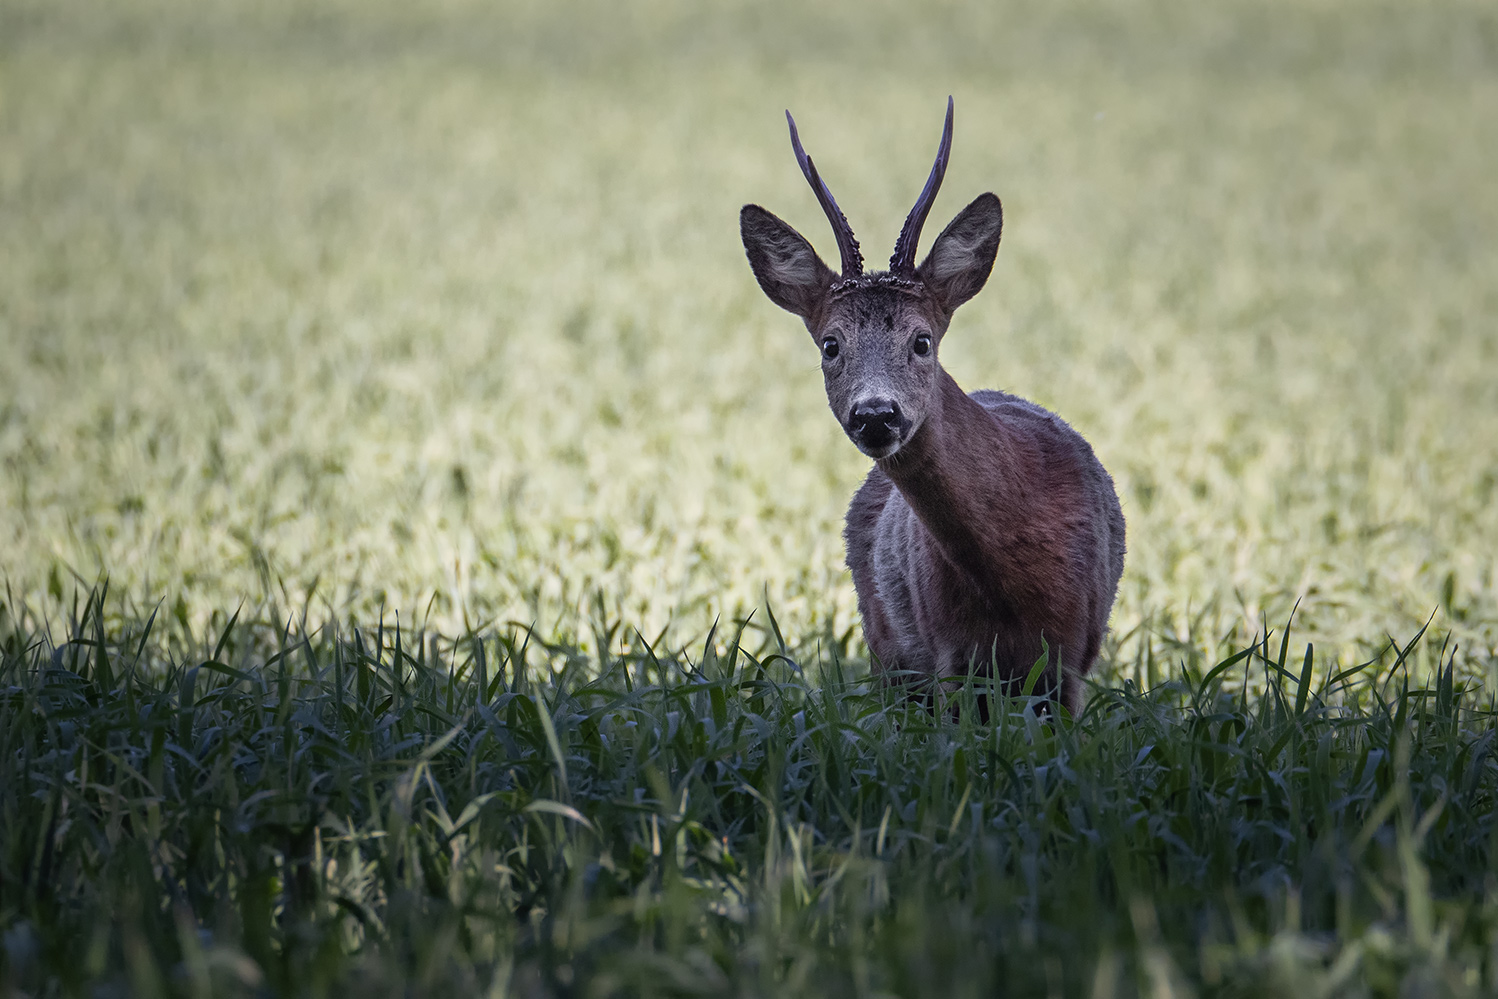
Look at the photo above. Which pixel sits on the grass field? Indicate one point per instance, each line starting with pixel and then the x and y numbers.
pixel 388 814
pixel 435 313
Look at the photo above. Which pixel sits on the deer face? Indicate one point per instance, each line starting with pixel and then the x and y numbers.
pixel 879 363
pixel 878 333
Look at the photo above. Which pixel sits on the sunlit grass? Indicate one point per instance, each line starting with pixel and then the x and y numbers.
pixel 445 308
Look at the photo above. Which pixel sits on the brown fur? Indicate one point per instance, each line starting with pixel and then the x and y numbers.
pixel 1010 532
pixel 987 530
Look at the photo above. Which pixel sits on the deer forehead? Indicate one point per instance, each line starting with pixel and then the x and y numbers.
pixel 879 313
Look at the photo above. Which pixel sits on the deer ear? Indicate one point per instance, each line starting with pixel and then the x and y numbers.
pixel 786 266
pixel 962 256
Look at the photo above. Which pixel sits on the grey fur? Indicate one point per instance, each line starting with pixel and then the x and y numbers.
pixel 987 530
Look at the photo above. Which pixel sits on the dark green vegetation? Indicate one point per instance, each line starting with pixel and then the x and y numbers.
pixel 382 812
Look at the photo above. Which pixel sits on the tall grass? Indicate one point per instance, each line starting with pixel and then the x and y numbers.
pixel 373 810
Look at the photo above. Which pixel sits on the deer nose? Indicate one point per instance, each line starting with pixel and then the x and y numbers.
pixel 873 419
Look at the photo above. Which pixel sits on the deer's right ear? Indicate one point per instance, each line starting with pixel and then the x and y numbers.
pixel 786 266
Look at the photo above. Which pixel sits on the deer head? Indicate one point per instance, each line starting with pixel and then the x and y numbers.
pixel 879 333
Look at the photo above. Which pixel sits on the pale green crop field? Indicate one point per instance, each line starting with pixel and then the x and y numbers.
pixel 441 307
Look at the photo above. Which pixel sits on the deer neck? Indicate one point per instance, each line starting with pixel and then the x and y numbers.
pixel 964 474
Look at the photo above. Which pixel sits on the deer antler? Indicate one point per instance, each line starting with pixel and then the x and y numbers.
pixel 847 244
pixel 903 260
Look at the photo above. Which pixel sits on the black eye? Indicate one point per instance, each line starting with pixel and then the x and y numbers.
pixel 829 347
pixel 922 345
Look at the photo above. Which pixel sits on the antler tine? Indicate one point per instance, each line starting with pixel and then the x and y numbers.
pixel 847 244
pixel 903 260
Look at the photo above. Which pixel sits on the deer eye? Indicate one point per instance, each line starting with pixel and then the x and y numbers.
pixel 830 347
pixel 922 345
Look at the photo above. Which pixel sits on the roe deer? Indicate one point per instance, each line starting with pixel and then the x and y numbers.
pixel 987 530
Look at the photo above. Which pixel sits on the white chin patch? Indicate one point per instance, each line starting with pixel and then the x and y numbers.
pixel 882 452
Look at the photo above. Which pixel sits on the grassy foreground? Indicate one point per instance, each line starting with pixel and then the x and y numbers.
pixel 376 812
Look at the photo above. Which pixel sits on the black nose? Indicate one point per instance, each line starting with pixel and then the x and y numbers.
pixel 875 421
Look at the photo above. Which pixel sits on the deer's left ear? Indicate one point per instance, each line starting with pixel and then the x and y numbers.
pixel 962 256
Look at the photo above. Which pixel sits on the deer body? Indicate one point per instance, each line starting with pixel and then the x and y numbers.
pixel 987 531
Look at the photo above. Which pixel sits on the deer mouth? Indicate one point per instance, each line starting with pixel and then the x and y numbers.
pixel 880 453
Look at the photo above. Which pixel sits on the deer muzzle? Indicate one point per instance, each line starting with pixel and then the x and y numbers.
pixel 877 426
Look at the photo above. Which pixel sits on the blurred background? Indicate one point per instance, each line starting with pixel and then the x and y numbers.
pixel 440 307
